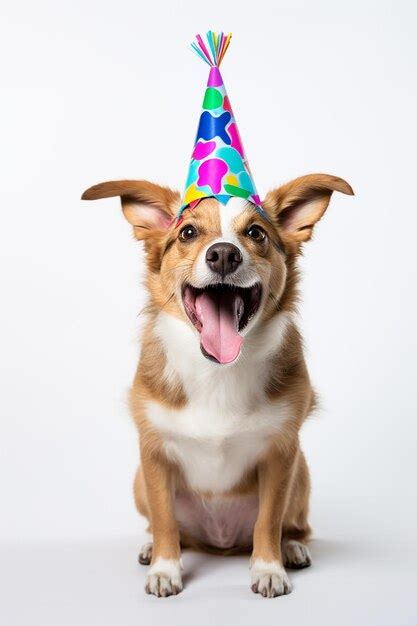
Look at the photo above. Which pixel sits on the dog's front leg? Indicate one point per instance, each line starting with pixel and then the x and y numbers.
pixel 164 577
pixel 268 576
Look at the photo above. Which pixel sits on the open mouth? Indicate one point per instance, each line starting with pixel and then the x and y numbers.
pixel 220 312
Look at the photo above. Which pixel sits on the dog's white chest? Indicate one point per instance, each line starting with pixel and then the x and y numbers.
pixel 215 447
pixel 214 465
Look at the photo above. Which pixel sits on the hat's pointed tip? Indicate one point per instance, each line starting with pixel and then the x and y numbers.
pixel 215 78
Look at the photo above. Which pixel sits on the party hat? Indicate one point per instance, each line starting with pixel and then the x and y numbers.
pixel 218 166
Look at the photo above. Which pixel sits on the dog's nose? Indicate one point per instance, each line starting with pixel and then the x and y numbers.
pixel 223 258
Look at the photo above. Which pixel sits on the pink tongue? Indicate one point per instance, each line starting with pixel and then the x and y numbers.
pixel 219 316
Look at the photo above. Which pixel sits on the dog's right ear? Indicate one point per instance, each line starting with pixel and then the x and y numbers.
pixel 147 206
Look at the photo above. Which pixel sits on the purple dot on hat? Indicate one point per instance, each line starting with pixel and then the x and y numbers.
pixel 202 149
pixel 211 173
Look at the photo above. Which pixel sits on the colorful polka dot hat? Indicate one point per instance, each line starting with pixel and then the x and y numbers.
pixel 218 166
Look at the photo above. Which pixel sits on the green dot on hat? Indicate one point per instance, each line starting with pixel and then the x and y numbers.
pixel 212 99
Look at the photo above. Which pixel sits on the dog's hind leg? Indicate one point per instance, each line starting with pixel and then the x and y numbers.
pixel 296 530
pixel 296 554
pixel 145 554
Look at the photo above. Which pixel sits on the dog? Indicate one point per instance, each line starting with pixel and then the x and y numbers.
pixel 222 389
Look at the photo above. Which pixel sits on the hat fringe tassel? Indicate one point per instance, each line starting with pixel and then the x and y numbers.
pixel 213 53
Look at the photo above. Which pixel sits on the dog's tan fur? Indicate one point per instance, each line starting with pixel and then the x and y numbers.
pixel 280 476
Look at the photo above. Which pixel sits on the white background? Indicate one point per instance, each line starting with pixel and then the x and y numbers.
pixel 99 90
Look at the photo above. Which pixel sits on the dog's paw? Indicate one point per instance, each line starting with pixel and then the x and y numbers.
pixel 164 578
pixel 269 579
pixel 296 554
pixel 145 554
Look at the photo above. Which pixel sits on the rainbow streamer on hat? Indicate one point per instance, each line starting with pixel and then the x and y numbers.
pixel 218 166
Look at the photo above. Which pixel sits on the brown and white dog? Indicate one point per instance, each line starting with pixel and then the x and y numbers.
pixel 222 388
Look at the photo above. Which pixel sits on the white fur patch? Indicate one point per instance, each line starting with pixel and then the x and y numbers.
pixel 269 578
pixel 164 577
pixel 228 214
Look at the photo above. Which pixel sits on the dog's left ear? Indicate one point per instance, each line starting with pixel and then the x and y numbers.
pixel 298 205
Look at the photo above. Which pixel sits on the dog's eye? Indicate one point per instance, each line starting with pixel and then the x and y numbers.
pixel 256 233
pixel 188 232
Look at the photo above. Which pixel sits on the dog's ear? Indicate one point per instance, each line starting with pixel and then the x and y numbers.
pixel 147 206
pixel 298 205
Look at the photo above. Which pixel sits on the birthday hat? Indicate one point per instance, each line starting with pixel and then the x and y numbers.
pixel 218 166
